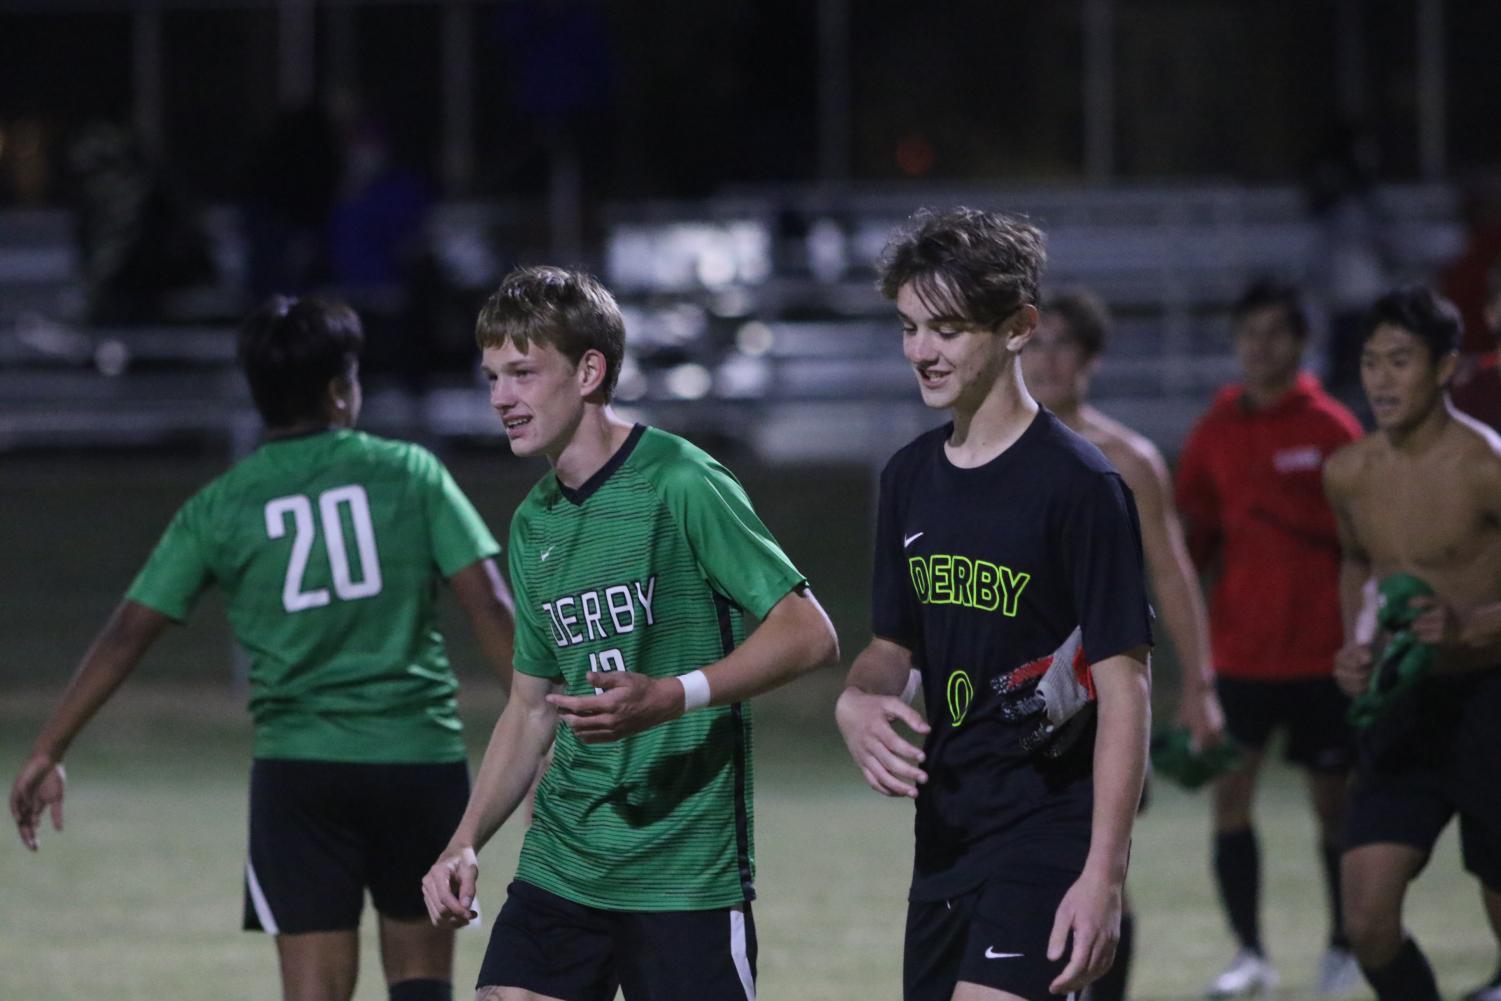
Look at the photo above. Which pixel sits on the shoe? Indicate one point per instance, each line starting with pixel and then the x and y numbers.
pixel 1248 974
pixel 1339 973
pixel 1490 991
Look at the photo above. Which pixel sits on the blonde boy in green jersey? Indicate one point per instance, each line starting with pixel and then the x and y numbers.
pixel 637 562
pixel 328 545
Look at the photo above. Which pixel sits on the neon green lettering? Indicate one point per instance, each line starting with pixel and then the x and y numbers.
pixel 987 594
pixel 964 581
pixel 1012 584
pixel 941 566
pixel 918 567
pixel 961 692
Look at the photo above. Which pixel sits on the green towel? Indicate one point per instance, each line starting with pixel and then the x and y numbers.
pixel 1405 660
pixel 1174 757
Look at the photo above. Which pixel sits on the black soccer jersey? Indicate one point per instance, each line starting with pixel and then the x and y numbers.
pixel 977 572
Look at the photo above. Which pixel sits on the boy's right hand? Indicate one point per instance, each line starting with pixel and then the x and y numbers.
pixel 1352 668
pixel 448 888
pixel 39 787
pixel 888 760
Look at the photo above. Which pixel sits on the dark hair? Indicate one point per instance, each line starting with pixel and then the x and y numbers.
pixel 1273 292
pixel 291 349
pixel 1421 312
pixel 569 310
pixel 964 262
pixel 1087 317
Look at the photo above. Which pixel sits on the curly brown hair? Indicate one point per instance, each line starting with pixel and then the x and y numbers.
pixel 966 263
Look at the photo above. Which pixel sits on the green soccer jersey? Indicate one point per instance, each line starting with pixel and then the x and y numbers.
pixel 329 548
pixel 651 566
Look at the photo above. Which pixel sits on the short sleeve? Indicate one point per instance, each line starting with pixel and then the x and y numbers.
pixel 457 533
pixel 535 651
pixel 893 608
pixel 179 568
pixel 738 554
pixel 1106 572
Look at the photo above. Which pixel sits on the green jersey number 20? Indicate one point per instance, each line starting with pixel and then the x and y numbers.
pixel 293 596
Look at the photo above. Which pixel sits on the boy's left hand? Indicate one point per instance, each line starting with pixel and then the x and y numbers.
pixel 627 703
pixel 1090 914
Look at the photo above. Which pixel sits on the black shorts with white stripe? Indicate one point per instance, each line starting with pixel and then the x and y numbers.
pixel 552 946
pixel 323 832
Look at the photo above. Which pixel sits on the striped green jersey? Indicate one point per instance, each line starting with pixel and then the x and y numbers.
pixel 651 566
pixel 329 548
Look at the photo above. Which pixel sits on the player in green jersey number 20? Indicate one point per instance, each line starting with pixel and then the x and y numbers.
pixel 636 563
pixel 326 544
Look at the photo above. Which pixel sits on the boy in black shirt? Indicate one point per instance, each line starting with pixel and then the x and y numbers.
pixel 1009 580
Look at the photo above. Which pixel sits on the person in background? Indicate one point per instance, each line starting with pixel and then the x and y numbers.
pixel 330 546
pixel 1476 386
pixel 1420 495
pixel 1059 363
pixel 1250 491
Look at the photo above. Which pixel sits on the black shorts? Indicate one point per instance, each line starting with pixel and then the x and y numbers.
pixel 321 832
pixel 1435 758
pixel 1313 711
pixel 550 945
pixel 995 936
pixel 1411 807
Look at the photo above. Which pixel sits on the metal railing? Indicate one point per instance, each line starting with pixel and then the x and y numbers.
pixel 737 325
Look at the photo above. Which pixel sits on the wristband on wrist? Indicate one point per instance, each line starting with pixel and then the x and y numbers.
pixel 695 690
pixel 468 857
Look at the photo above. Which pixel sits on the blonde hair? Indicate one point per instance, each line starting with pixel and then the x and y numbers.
pixel 567 310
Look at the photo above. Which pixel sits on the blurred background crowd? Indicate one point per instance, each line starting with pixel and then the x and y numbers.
pixel 730 169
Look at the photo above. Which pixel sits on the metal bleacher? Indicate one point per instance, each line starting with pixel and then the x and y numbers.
pixel 752 316
pixel 65 384
pixel 1170 261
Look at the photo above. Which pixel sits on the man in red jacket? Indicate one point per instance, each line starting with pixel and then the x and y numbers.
pixel 1476 386
pixel 1251 495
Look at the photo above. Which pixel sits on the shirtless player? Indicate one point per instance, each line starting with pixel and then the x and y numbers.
pixel 1393 517
pixel 1059 364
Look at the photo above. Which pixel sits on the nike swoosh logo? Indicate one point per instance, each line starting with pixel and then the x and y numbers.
pixel 543 557
pixel 990 953
pixel 911 539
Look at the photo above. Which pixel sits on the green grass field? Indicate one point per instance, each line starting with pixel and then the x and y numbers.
pixel 139 899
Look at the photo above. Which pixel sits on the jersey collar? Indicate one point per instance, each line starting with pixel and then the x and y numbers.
pixel 268 439
pixel 603 473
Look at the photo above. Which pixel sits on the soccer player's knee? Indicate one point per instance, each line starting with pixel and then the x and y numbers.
pixel 1330 805
pixel 1374 928
pixel 422 990
pixel 1233 793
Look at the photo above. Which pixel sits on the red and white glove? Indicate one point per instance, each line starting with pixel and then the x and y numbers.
pixel 1056 691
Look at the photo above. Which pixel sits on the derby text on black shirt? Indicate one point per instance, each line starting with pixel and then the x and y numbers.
pixel 977 572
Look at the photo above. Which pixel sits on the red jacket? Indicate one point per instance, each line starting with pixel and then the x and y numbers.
pixel 1250 489
pixel 1478 392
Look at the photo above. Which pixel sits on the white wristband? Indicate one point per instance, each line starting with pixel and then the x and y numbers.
pixel 914 683
pixel 468 857
pixel 695 690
